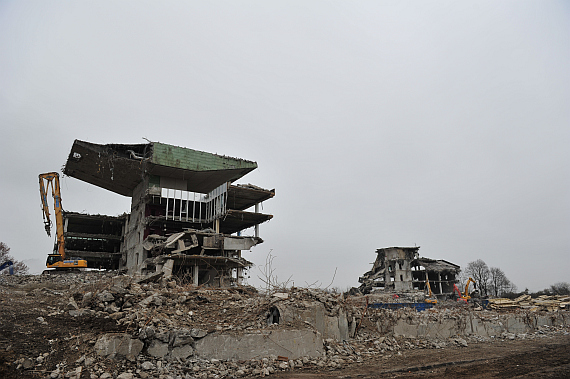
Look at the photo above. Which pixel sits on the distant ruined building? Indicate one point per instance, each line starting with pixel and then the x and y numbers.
pixel 186 216
pixel 401 269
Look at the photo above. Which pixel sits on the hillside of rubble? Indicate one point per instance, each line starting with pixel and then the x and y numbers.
pixel 101 325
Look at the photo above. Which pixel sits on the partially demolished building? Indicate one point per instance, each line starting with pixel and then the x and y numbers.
pixel 186 215
pixel 401 269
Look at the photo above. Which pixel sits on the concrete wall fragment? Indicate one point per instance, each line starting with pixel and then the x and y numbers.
pixel 292 344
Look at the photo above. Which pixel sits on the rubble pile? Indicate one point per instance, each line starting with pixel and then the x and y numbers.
pixel 154 329
pixel 541 303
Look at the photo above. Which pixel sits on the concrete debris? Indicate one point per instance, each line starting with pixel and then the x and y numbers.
pixel 118 345
pixel 541 303
pixel 160 329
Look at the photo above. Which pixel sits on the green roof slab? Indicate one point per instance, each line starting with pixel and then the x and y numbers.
pixel 194 160
pixel 120 168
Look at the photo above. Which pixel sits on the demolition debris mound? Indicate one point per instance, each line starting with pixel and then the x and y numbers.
pixel 102 325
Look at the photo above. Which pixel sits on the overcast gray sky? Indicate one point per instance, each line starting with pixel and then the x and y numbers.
pixel 441 124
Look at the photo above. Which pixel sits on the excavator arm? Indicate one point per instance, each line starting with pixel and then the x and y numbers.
pixel 47 180
pixel 460 296
pixel 431 298
pixel 466 293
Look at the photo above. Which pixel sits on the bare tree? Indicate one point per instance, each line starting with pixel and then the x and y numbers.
pixel 499 284
pixel 268 277
pixel 19 267
pixel 560 288
pixel 479 271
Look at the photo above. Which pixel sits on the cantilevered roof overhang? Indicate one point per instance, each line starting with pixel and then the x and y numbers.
pixel 243 196
pixel 120 168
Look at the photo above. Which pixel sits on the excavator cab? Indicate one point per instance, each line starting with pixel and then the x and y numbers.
pixel 57 262
pixel 52 259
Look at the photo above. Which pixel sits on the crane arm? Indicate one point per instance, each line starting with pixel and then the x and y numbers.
pixel 470 280
pixel 47 180
pixel 45 207
pixel 431 299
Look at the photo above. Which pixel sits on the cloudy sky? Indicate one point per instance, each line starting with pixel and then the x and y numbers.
pixel 441 124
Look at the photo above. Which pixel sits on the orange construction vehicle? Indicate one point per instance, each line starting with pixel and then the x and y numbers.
pixel 56 260
pixel 466 293
pixel 460 297
pixel 431 298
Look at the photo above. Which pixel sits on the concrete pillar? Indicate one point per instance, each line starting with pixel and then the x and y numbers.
pixel 167 268
pixel 134 232
pixel 195 274
pixel 239 275
pixel 257 225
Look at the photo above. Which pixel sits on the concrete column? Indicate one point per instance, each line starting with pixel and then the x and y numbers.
pixel 239 271
pixel 195 274
pixel 134 232
pixel 167 268
pixel 439 279
pixel 257 225
pixel 239 275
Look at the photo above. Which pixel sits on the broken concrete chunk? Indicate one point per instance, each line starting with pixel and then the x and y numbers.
pixel 117 315
pixel 158 301
pixel 163 336
pixel 147 333
pixel 118 345
pixel 182 337
pixel 158 349
pixel 182 352
pixel 147 366
pixel 72 304
pixel 86 299
pixel 198 333
pixel 27 364
pixel 461 342
pixel 146 302
pixel 120 284
pixel 281 295
pixel 106 296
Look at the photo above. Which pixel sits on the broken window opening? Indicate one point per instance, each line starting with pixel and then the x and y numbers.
pixel 273 316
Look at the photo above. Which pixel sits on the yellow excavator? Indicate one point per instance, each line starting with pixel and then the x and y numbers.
pixel 431 299
pixel 466 293
pixel 56 260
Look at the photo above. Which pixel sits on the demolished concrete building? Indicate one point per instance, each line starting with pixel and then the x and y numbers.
pixel 401 269
pixel 186 216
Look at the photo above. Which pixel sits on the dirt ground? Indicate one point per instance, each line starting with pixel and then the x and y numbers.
pixel 33 325
pixel 548 357
pixel 59 336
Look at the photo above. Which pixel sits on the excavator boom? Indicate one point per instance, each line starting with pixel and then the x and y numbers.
pixel 56 260
pixel 431 298
pixel 466 293
pixel 52 179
